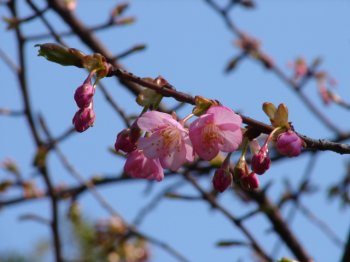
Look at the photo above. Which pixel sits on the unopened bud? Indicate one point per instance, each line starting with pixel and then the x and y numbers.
pixel 83 119
pixel 289 144
pixel 222 179
pixel 250 182
pixel 84 93
pixel 261 161
pixel 126 141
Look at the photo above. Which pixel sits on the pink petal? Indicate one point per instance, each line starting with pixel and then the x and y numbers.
pixel 189 149
pixel 153 120
pixel 224 115
pixel 152 146
pixel 174 160
pixel 232 140
pixel 205 151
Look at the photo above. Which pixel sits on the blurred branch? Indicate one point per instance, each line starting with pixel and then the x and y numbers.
pixel 21 75
pixel 277 71
pixel 9 112
pixel 7 60
pixel 320 224
pixel 213 202
pixel 279 225
pixel 39 14
pixel 346 252
pixel 154 202
pixel 114 104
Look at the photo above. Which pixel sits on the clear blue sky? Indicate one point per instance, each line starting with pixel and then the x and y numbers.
pixel 189 45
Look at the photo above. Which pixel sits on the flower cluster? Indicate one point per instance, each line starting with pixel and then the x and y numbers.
pixel 85 116
pixel 169 144
pixel 158 141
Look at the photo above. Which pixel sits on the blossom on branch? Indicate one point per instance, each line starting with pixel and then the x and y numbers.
pixel 217 130
pixel 168 140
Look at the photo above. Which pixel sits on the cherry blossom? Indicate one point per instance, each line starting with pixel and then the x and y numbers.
pixel 217 130
pixel 168 140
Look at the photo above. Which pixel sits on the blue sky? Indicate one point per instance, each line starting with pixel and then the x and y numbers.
pixel 188 44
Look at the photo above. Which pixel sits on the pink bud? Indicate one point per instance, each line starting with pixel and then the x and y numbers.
pixel 138 165
pixel 127 138
pixel 289 144
pixel 84 93
pixel 222 179
pixel 250 182
pixel 83 119
pixel 261 161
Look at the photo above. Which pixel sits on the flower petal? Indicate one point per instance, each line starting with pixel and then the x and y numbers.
pixel 152 146
pixel 231 140
pixel 201 147
pixel 153 120
pixel 224 115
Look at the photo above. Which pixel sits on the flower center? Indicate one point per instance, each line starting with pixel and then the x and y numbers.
pixel 171 139
pixel 211 135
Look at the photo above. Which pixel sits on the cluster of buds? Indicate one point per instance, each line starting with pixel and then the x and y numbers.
pixel 85 116
pixel 97 66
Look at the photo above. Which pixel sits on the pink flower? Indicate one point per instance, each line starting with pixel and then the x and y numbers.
pixel 84 93
pixel 138 165
pixel 84 118
pixel 217 130
pixel 261 161
pixel 289 144
pixel 250 181
pixel 127 138
pixel 168 140
pixel 222 179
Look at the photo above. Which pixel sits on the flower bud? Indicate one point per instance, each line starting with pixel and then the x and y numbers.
pixel 83 119
pixel 222 178
pixel 289 144
pixel 261 161
pixel 250 182
pixel 84 93
pixel 240 170
pixel 123 142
